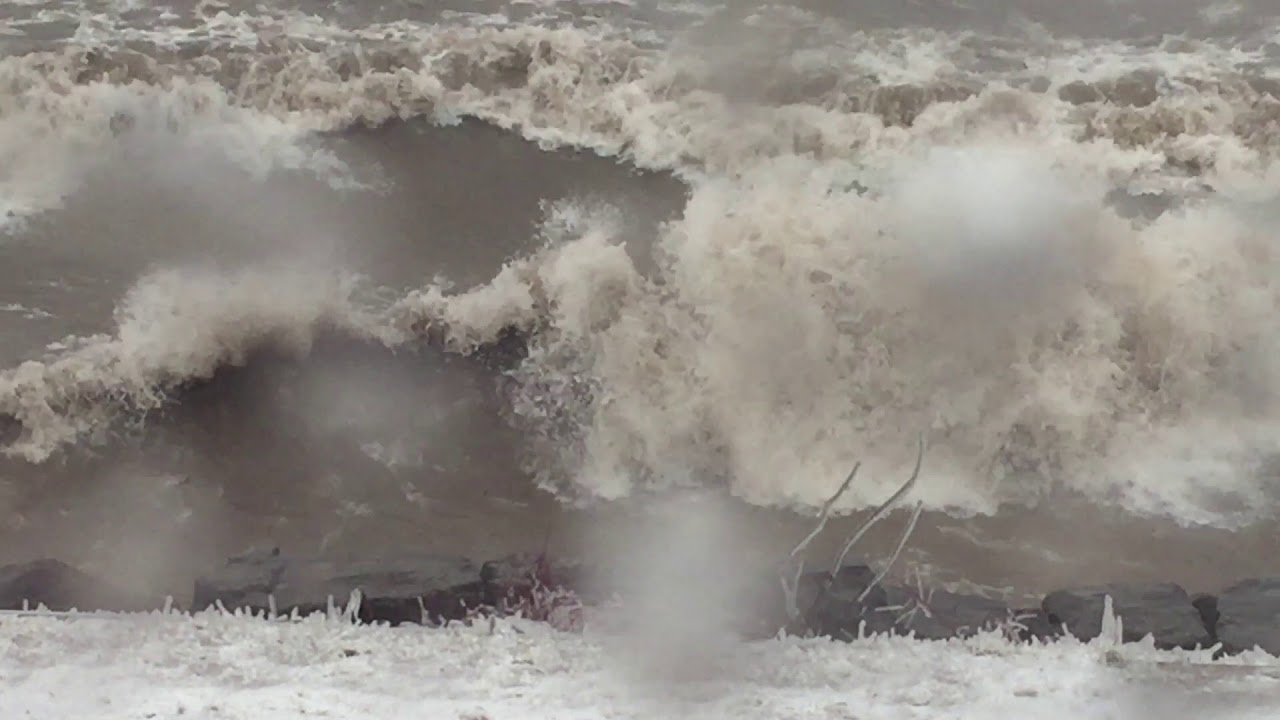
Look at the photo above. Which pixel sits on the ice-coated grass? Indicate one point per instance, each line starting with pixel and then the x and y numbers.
pixel 232 666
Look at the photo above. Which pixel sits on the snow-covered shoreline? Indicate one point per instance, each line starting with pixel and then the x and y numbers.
pixel 218 665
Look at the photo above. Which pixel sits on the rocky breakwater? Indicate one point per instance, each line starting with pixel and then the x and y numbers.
pixel 424 589
pixel 1242 617
pixel 847 604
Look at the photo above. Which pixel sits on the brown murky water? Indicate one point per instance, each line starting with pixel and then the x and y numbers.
pixel 354 449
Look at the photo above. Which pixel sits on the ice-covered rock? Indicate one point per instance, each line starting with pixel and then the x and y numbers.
pixel 1164 611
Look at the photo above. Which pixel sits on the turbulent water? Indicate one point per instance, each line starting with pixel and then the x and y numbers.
pixel 303 271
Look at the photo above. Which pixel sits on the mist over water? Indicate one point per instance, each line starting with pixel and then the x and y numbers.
pixel 686 586
pixel 341 279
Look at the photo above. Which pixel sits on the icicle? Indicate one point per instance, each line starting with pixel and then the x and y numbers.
pixel 352 611
pixel 1112 626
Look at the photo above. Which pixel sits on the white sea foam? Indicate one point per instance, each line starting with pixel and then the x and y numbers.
pixel 918 244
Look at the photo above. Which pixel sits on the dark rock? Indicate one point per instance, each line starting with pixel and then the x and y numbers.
pixel 399 591
pixel 538 588
pixel 940 614
pixel 1249 616
pixel 61 587
pixel 1036 625
pixel 830 606
pixel 392 591
pixel 516 574
pixel 1163 611
pixel 1207 606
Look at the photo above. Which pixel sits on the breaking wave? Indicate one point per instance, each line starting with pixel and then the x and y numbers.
pixel 887 233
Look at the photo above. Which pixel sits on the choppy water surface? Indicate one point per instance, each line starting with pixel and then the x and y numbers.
pixel 345 277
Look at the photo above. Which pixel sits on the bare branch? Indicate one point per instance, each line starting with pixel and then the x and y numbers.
pixel 789 577
pixel 791 586
pixel 881 511
pixel 826 513
pixel 791 581
pixel 911 526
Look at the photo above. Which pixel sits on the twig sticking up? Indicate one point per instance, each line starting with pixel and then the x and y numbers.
pixel 826 513
pixel 790 584
pixel 906 534
pixel 790 578
pixel 882 511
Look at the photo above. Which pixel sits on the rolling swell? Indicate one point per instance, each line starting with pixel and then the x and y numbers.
pixel 344 450
pixel 256 383
pixel 273 266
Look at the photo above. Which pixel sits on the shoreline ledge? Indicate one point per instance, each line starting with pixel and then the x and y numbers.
pixel 439 589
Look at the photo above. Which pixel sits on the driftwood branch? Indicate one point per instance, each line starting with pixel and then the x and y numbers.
pixel 902 542
pixel 790 576
pixel 791 580
pixel 881 511
pixel 826 513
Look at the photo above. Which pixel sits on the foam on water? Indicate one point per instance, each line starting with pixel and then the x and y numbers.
pixel 887 234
